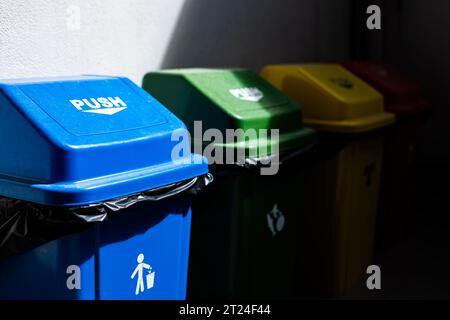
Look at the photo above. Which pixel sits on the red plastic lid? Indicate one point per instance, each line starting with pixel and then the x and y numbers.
pixel 402 95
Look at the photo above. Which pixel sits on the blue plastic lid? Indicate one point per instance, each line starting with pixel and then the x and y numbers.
pixel 78 140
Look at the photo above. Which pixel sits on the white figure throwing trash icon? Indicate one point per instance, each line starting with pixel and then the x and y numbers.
pixel 139 271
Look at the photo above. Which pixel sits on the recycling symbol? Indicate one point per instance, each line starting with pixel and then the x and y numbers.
pixel 275 220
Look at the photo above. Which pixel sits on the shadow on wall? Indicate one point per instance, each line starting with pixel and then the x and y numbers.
pixel 253 33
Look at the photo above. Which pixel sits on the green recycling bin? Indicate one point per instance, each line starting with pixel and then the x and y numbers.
pixel 244 229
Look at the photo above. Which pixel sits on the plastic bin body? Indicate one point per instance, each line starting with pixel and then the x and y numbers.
pixel 72 155
pixel 338 226
pixel 251 260
pixel 245 225
pixel 106 255
pixel 403 98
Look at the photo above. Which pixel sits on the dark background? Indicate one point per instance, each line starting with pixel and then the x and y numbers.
pixel 414 38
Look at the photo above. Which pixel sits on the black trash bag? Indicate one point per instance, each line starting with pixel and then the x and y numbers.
pixel 252 164
pixel 26 225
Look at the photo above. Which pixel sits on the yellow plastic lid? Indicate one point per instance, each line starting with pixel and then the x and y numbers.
pixel 331 97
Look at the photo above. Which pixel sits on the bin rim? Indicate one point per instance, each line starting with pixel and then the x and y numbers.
pixel 192 185
pixel 84 192
pixel 290 140
pixel 248 164
pixel 356 125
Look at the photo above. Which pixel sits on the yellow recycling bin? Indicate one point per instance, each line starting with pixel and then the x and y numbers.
pixel 338 226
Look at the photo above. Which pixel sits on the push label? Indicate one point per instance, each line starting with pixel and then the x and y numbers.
pixel 101 105
pixel 247 94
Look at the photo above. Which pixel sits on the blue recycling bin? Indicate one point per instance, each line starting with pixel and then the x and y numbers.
pixel 98 150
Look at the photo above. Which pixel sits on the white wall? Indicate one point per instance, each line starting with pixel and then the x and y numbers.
pixel 39 37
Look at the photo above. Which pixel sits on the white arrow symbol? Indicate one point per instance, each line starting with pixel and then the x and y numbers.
pixel 108 111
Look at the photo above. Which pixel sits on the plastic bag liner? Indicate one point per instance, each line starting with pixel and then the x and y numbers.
pixel 255 163
pixel 26 225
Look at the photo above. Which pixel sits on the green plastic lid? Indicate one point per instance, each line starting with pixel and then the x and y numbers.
pixel 231 99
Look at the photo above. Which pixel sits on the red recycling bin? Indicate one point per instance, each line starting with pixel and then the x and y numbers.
pixel 402 97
